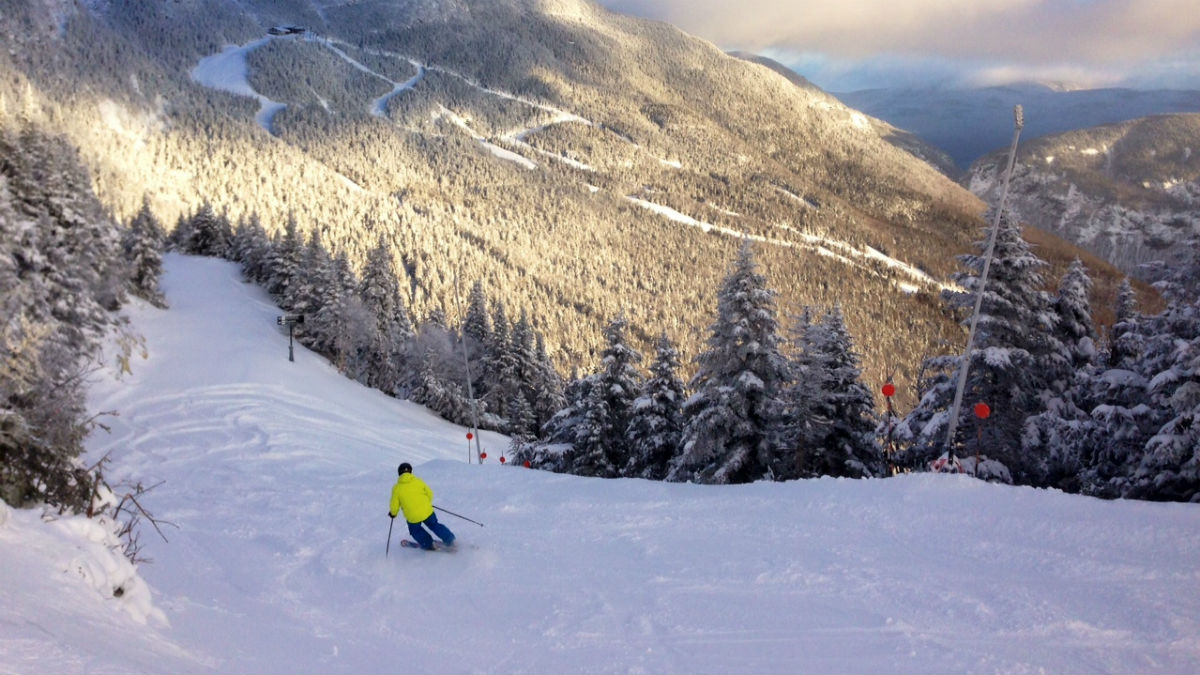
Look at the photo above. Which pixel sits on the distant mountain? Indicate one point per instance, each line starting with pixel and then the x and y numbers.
pixel 1128 192
pixel 968 123
pixel 578 162
pixel 905 140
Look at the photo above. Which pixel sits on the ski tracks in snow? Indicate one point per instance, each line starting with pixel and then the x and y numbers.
pixel 278 475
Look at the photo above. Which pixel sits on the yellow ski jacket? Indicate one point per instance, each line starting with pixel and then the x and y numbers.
pixel 412 496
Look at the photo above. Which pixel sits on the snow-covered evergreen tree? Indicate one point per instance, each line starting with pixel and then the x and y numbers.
pixel 556 451
pixel 656 420
pixel 180 236
pixel 207 233
pixel 599 409
pixel 732 422
pixel 592 447
pixel 1110 441
pixel 1061 432
pixel 1123 343
pixel 323 318
pixel 1104 427
pixel 476 334
pixel 1058 433
pixel 620 383
pixel 307 292
pixel 439 351
pixel 499 364
pixel 560 429
pixel 62 273
pixel 284 258
pixel 546 385
pixel 1015 362
pixel 1170 465
pixel 251 247
pixel 1075 329
pixel 142 243
pixel 522 422
pixel 441 395
pixel 346 321
pixel 536 395
pixel 379 290
pixel 842 441
pixel 798 400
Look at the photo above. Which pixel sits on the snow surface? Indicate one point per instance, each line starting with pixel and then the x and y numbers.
pixel 378 107
pixel 278 475
pixel 496 150
pixel 228 70
pixel 823 246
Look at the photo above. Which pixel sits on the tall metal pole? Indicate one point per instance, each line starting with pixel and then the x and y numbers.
pixel 1019 122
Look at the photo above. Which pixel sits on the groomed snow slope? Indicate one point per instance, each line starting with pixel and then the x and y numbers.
pixel 278 475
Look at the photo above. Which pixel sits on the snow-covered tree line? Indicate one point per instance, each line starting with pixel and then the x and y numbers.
pixel 762 406
pixel 66 267
pixel 361 322
pixel 1114 420
pixel 1117 419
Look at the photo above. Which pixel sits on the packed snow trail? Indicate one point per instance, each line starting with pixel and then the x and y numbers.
pixel 228 70
pixel 822 246
pixel 278 476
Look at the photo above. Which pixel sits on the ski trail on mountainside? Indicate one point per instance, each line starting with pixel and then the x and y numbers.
pixel 824 246
pixel 227 70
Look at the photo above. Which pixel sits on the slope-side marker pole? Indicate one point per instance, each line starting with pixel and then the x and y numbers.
pixel 1019 122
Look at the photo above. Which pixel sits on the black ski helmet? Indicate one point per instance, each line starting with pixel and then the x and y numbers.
pixel 404 468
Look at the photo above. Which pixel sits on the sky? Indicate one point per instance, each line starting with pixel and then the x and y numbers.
pixel 846 45
pixel 272 478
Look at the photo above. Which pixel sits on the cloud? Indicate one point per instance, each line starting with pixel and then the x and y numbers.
pixel 1099 40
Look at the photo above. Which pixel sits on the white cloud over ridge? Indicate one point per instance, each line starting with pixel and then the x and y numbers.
pixel 1089 42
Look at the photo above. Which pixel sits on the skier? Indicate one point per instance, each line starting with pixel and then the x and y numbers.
pixel 412 496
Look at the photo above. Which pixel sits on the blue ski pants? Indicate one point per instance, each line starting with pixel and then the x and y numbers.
pixel 422 537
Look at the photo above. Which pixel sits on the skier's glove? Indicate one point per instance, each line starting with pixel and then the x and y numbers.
pixel 391 515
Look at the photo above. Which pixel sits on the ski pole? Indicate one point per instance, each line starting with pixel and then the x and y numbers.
pixel 458 516
pixel 388 550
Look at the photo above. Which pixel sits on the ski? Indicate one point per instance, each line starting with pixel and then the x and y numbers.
pixel 408 543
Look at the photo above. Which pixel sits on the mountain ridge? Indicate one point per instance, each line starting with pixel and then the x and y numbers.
pixel 1128 192
pixel 937 114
